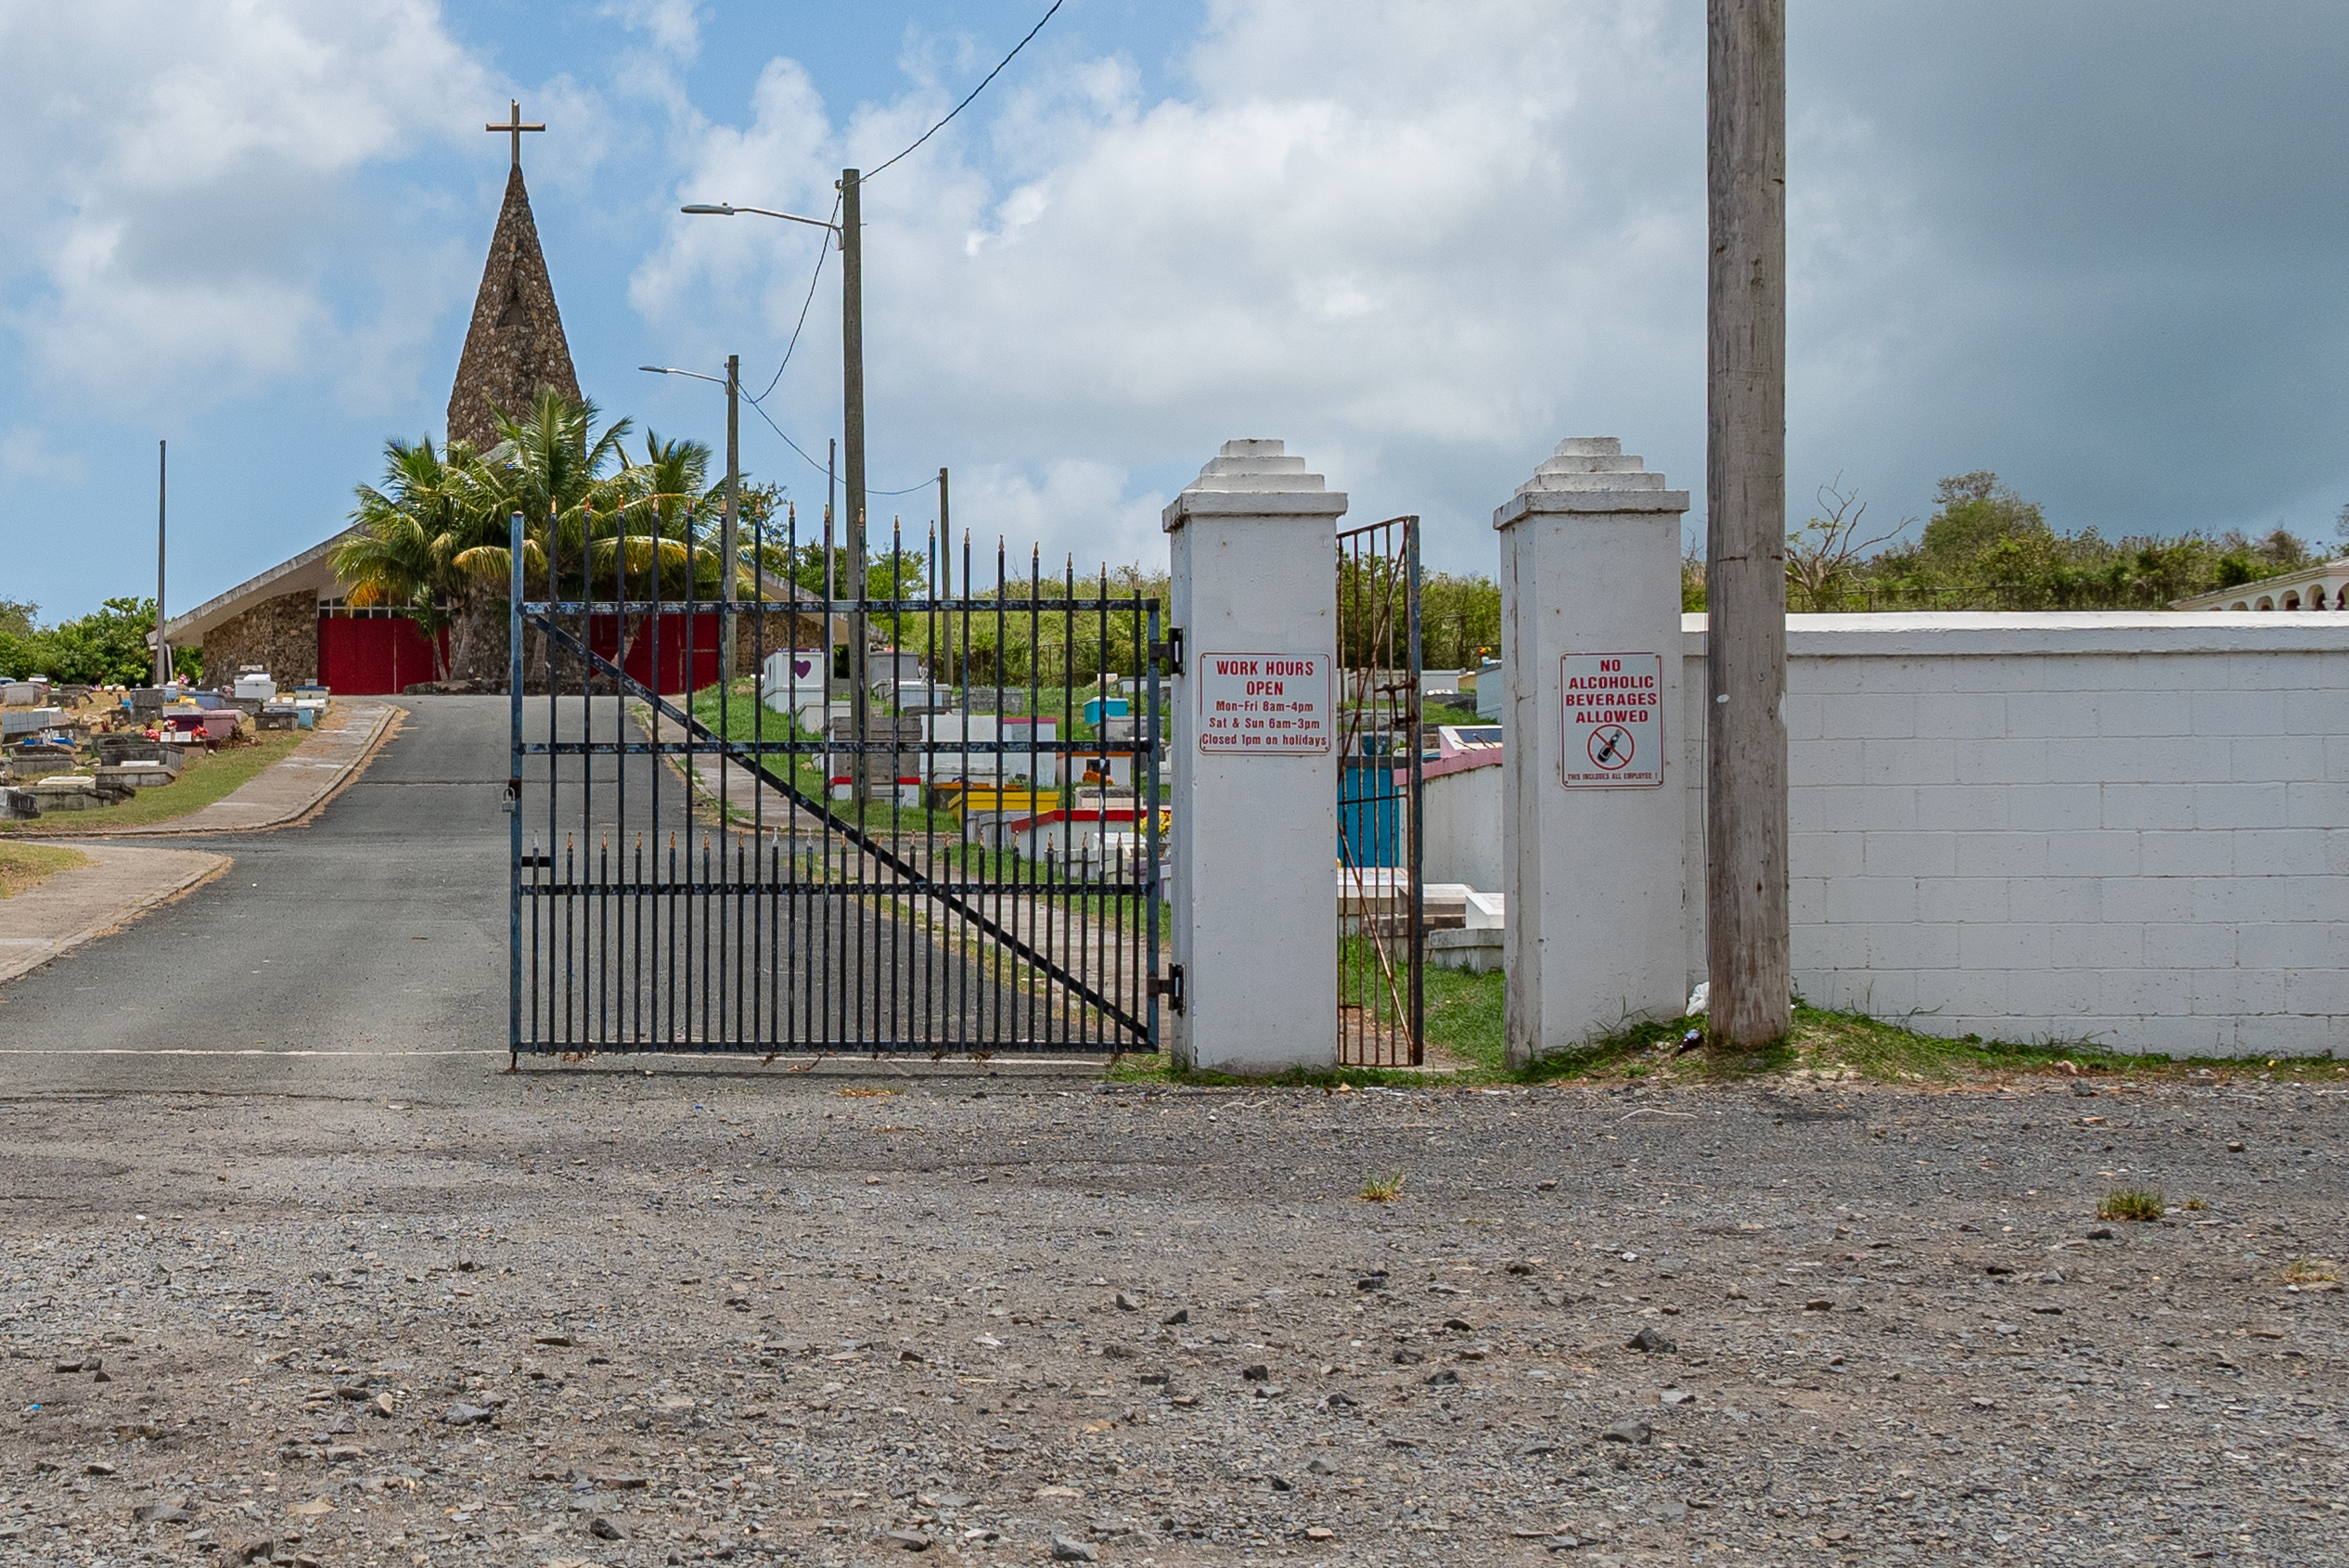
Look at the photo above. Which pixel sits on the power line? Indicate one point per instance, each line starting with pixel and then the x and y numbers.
pixel 787 440
pixel 817 275
pixel 814 277
pixel 978 89
pixel 819 467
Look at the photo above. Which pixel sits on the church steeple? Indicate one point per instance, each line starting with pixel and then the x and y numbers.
pixel 515 346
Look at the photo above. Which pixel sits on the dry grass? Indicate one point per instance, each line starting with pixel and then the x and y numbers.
pixel 868 1093
pixel 2141 1203
pixel 25 866
pixel 1382 1189
pixel 2311 1271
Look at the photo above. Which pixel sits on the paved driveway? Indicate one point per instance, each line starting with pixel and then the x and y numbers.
pixel 367 950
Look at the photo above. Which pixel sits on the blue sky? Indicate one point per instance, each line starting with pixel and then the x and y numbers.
pixel 2092 245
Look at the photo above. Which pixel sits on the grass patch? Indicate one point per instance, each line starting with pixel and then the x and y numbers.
pixel 1464 1014
pixel 2311 1271
pixel 28 866
pixel 868 1093
pixel 1822 1048
pixel 1383 1190
pixel 206 778
pixel 2143 1205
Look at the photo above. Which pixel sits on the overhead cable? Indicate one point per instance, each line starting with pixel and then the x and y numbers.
pixel 978 89
pixel 823 249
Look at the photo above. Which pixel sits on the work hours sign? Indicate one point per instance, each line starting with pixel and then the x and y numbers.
pixel 1268 704
pixel 1613 720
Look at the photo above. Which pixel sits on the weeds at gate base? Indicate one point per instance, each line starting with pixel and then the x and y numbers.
pixel 1823 1050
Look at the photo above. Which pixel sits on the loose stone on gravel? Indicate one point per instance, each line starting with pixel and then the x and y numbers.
pixel 772 1360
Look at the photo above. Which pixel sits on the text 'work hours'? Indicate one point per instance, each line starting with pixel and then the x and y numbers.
pixel 1268 704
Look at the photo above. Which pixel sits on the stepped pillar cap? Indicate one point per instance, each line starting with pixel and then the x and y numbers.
pixel 1254 478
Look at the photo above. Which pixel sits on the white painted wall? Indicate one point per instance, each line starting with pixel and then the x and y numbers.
pixel 2128 828
pixel 1255 842
pixel 1589 567
pixel 1460 829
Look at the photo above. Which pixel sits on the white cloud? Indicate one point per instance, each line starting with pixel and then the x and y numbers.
pixel 26 452
pixel 177 174
pixel 673 25
pixel 1419 241
pixel 1086 509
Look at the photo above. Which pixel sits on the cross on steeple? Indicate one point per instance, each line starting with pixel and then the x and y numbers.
pixel 514 125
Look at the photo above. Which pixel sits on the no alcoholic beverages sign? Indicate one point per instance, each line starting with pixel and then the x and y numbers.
pixel 1266 704
pixel 1613 720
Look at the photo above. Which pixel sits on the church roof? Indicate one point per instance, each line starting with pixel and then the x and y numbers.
pixel 515 346
pixel 312 571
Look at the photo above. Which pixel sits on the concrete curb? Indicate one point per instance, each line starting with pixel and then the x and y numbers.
pixel 385 723
pixel 114 918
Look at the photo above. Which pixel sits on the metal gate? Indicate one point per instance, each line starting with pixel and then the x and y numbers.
pixel 1381 914
pixel 719 846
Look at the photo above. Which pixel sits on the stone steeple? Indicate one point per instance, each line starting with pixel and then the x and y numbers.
pixel 516 344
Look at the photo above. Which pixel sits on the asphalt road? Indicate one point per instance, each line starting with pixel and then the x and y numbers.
pixel 363 951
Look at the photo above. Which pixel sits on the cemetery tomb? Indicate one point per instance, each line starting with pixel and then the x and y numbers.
pixel 128 777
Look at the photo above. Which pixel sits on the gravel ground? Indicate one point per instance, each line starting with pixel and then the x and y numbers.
pixel 611 1319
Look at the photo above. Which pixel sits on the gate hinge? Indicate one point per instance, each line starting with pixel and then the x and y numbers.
pixel 1169 986
pixel 1170 651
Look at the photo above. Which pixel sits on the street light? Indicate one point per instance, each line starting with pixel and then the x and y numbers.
pixel 729 550
pixel 848 233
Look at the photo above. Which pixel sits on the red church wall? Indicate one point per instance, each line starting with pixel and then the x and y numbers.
pixel 603 636
pixel 373 656
pixel 362 656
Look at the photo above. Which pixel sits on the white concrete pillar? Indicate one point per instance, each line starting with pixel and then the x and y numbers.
pixel 1591 811
pixel 1254 542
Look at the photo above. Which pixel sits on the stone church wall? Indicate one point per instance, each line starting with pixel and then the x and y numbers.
pixel 281 634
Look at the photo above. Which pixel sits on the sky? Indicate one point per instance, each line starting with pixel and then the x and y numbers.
pixel 2093 245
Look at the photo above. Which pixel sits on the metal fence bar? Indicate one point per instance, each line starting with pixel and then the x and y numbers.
pixel 1381 943
pixel 997 917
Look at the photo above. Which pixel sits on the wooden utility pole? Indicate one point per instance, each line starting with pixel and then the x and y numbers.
pixel 730 527
pixel 946 559
pixel 860 698
pixel 1746 928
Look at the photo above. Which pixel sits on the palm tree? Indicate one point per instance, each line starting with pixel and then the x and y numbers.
pixel 664 530
pixel 553 466
pixel 408 536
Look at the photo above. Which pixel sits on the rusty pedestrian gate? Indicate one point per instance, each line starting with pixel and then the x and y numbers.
pixel 1381 906
pixel 721 844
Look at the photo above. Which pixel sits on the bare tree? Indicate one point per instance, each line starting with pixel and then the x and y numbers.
pixel 1823 557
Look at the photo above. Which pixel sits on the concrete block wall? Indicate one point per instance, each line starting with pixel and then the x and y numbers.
pixel 2127 829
